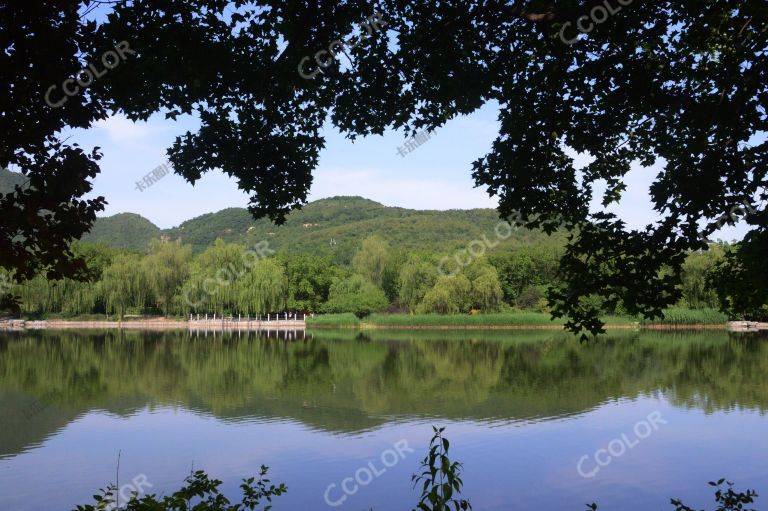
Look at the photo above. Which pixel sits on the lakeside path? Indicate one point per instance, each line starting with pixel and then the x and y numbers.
pixel 164 324
pixel 158 324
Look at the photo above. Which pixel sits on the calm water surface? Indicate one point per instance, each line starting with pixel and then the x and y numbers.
pixel 522 409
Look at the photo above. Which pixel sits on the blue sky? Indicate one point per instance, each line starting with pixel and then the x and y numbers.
pixel 436 175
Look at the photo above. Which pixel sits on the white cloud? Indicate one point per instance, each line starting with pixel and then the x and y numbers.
pixel 121 129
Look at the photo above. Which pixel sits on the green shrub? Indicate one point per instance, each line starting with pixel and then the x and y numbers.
pixel 355 295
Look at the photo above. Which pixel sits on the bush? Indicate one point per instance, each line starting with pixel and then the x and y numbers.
pixel 356 295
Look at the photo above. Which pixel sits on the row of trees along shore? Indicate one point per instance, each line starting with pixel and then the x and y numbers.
pixel 229 278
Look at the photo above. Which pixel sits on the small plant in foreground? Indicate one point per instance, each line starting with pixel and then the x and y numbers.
pixel 441 478
pixel 727 499
pixel 200 493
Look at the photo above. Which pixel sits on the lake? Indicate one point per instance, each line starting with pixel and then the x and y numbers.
pixel 539 420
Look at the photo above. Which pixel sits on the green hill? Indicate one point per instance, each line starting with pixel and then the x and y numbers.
pixel 334 227
pixel 124 230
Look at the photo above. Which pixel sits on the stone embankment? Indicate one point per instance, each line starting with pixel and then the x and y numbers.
pixel 245 324
pixel 157 324
pixel 746 326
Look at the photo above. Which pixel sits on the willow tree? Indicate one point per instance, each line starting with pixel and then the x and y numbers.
pixel 214 273
pixel 124 285
pixel 680 84
pixel 486 293
pixel 416 278
pixel 371 260
pixel 450 295
pixel 167 268
pixel 262 288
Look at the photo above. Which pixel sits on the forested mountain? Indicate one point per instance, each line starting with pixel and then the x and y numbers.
pixel 334 227
pixel 124 230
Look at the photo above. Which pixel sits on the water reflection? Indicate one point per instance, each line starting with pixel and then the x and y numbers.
pixel 353 384
pixel 309 398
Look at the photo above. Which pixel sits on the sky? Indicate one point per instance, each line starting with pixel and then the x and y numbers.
pixel 436 175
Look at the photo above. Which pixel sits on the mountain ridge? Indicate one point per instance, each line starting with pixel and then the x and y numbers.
pixel 332 226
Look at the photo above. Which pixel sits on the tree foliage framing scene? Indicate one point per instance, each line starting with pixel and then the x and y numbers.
pixel 575 175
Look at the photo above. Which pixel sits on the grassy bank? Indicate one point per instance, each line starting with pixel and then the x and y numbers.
pixel 505 320
pixel 521 319
pixel 517 319
pixel 345 320
pixel 689 317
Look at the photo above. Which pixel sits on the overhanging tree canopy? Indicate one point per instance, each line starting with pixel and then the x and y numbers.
pixel 678 83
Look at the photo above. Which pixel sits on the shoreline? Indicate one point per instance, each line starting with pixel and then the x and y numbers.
pixel 155 324
pixel 655 326
pixel 165 324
